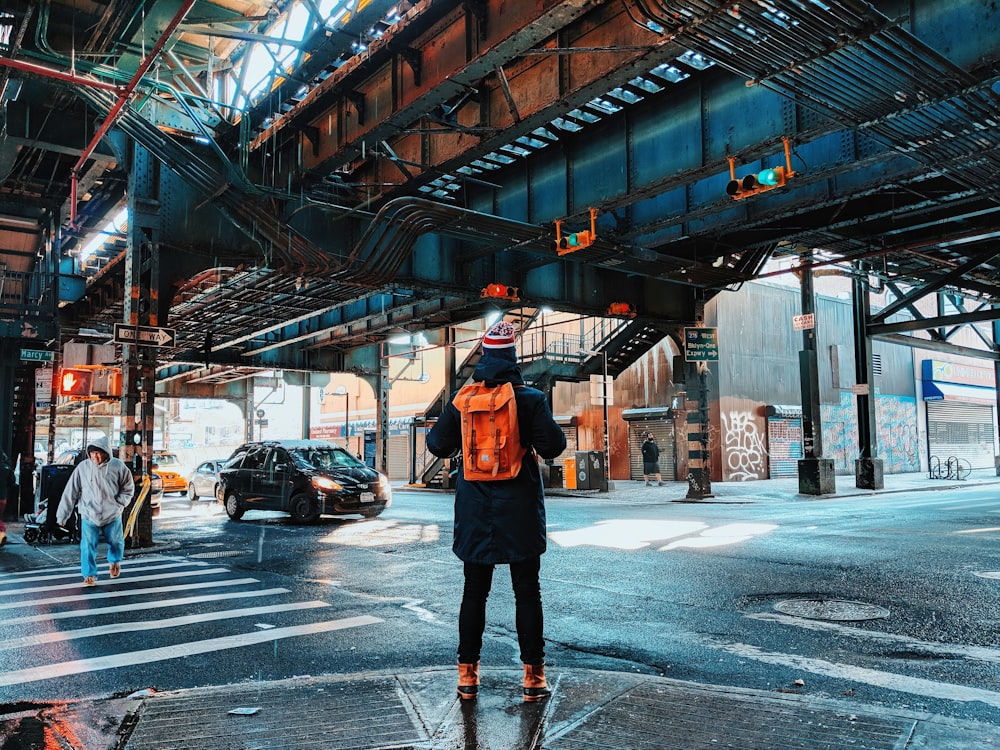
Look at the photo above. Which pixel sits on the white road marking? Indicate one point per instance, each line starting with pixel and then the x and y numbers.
pixel 123 579
pixel 59 636
pixel 980 653
pixel 137 606
pixel 74 573
pixel 147 656
pixel 94 595
pixel 76 568
pixel 888 680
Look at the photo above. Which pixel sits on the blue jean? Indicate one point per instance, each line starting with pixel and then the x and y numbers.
pixel 91 535
pixel 528 618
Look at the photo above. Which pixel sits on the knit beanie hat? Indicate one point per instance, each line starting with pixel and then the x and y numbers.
pixel 500 336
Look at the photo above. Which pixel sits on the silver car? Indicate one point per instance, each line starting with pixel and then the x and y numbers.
pixel 204 480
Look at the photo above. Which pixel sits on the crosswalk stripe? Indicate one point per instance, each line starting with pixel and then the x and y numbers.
pixel 137 606
pixel 74 573
pixel 190 648
pixel 888 680
pixel 126 579
pixel 39 639
pixel 92 595
pixel 14 575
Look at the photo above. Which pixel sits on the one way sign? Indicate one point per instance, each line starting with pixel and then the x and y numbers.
pixel 147 335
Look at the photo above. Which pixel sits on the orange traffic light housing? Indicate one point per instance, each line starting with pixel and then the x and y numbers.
pixel 621 309
pixel 75 382
pixel 501 291
pixel 762 181
pixel 569 243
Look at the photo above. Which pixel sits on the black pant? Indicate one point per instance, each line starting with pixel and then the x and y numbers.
pixel 527 617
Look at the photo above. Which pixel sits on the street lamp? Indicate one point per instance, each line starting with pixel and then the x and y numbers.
pixel 342 391
pixel 604 400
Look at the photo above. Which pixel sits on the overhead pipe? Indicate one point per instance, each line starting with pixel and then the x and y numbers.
pixel 123 98
pixel 41 70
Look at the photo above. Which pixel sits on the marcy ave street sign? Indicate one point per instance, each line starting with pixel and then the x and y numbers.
pixel 148 335
pixel 36 355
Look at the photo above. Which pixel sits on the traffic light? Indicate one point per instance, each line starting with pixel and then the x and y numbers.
pixel 759 182
pixel 74 382
pixel 568 243
pixel 501 291
pixel 622 309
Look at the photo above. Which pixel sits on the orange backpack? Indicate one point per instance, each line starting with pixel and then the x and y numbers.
pixel 491 440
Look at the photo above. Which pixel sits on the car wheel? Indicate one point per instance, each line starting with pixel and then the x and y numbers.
pixel 192 492
pixel 218 492
pixel 374 513
pixel 303 509
pixel 233 507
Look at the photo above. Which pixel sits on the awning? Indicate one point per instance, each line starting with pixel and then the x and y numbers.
pixel 651 412
pixel 784 411
pixel 935 390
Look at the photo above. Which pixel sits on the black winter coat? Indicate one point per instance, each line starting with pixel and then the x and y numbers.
pixel 501 522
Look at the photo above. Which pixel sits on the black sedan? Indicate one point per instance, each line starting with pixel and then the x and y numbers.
pixel 304 478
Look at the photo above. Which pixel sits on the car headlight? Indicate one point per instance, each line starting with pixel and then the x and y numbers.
pixel 383 483
pixel 326 484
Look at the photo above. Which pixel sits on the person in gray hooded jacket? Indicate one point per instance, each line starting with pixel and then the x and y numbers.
pixel 102 487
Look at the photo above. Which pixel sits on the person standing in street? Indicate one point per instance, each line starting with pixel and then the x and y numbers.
pixel 102 487
pixel 651 460
pixel 502 522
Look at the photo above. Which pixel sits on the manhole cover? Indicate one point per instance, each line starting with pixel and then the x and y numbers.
pixel 223 553
pixel 831 609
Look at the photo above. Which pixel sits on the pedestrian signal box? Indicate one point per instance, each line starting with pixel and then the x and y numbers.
pixel 75 382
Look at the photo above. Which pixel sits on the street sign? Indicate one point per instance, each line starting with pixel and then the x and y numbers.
pixel 599 385
pixel 147 335
pixel 804 322
pixel 36 355
pixel 701 344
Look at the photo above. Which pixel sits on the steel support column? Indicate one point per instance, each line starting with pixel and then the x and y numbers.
pixel 816 474
pixel 868 467
pixel 141 307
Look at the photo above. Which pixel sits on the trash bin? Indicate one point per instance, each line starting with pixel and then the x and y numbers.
pixel 590 473
pixel 569 469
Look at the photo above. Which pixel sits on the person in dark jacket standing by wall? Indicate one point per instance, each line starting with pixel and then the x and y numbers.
pixel 651 460
pixel 502 522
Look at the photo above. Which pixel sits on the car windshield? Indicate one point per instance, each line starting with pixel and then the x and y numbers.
pixel 323 458
pixel 165 459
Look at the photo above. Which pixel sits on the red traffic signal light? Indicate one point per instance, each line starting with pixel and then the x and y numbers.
pixel 501 291
pixel 73 382
pixel 623 309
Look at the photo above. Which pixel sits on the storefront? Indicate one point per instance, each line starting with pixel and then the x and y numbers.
pixel 659 421
pixel 961 413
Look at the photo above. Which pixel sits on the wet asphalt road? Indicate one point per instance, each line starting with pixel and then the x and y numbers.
pixel 713 593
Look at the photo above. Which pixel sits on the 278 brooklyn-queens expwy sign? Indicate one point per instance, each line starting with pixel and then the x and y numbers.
pixel 701 344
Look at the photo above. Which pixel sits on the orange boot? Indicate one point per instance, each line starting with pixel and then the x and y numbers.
pixel 468 681
pixel 535 687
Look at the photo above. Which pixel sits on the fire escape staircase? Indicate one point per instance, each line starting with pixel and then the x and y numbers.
pixel 544 359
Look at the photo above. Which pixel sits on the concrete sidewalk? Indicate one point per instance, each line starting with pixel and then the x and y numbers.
pixel 773 490
pixel 588 710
